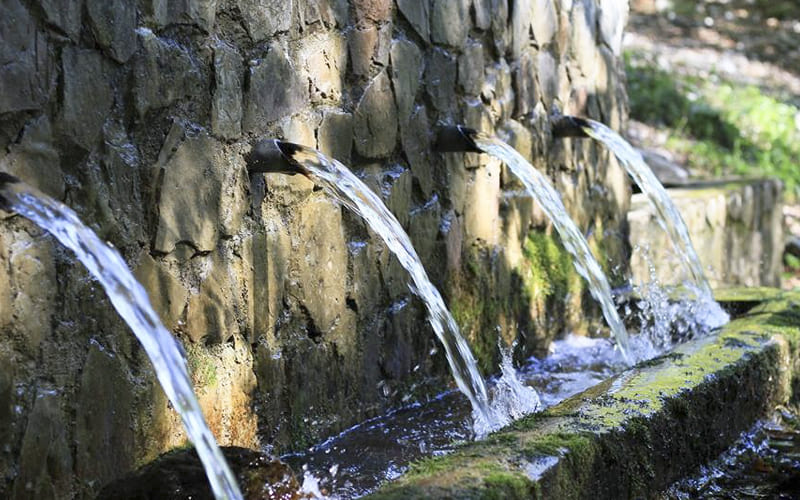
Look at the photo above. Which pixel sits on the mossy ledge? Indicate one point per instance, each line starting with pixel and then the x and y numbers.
pixel 634 434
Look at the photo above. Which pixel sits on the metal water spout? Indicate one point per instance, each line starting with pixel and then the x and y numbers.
pixel 568 126
pixel 273 155
pixel 456 139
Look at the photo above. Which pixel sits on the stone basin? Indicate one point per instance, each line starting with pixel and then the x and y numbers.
pixel 634 434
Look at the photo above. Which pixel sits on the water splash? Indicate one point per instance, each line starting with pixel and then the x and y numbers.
pixel 339 182
pixel 133 305
pixel 668 216
pixel 542 190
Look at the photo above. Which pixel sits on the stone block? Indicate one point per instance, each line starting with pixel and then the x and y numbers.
pixel 450 22
pixel 210 314
pixel 163 73
pixel 191 215
pixel 417 13
pixel 113 24
pixel 375 119
pixel 471 68
pixel 583 41
pixel 415 136
pixel 548 77
pixel 526 89
pixel 167 295
pixel 335 135
pixel 200 13
pixel 87 98
pixel 275 90
pixel 65 15
pixel 613 18
pixel 372 11
pixel 481 209
pixel 440 80
pixel 25 78
pixel 501 35
pixel 324 62
pixel 265 18
pixel 406 74
pixel 544 22
pixel 226 103
pixel 104 427
pixel 35 158
pixel 521 17
pixel 482 14
pixel 45 461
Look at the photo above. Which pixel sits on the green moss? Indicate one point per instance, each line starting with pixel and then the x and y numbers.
pixel 559 443
pixel 202 367
pixel 503 485
pixel 547 266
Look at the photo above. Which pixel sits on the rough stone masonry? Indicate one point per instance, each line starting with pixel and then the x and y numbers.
pixel 296 319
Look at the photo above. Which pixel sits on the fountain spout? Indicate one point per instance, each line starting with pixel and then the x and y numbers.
pixel 569 126
pixel 456 139
pixel 273 155
pixel 4 180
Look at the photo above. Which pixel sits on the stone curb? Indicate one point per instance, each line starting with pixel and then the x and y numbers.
pixel 634 434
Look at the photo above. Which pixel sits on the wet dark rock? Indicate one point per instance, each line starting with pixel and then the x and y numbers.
pixel 470 68
pixel 264 18
pixel 179 475
pixel 24 79
pixel 335 136
pixel 36 159
pixel 450 22
pixel 375 119
pixel 200 13
pixel 226 104
pixel 406 74
pixel 113 23
pixel 440 79
pixel 163 72
pixel 418 14
pixel 64 15
pixel 87 98
pixel 275 90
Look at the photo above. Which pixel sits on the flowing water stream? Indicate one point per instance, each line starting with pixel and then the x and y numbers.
pixel 339 182
pixel 540 188
pixel 668 216
pixel 132 303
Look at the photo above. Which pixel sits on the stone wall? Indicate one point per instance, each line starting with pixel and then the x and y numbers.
pixel 736 228
pixel 296 319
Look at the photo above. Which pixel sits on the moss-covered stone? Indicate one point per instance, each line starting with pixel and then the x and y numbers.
pixel 635 433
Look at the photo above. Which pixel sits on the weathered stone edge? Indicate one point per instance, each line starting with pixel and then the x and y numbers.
pixel 637 432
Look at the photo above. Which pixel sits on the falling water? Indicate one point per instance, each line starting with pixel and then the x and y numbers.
pixel 345 187
pixel 132 303
pixel 668 216
pixel 543 191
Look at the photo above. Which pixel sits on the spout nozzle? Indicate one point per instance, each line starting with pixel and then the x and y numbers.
pixel 6 179
pixel 272 155
pixel 569 126
pixel 456 139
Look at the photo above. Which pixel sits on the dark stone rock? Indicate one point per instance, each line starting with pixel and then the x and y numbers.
pixel 113 23
pixel 335 135
pixel 548 78
pixel 450 22
pixel 24 79
pixel 362 44
pixel 501 35
pixel 163 73
pixel 264 18
pixel 190 215
pixel 520 26
pixel 65 15
pixel 406 75
pixel 35 158
pixel 275 90
pixel 525 87
pixel 200 13
pixel 416 141
pixel 103 420
pixel 179 474
pixel 226 104
pixel 45 459
pixel 417 12
pixel 440 80
pixel 482 13
pixel 470 68
pixel 375 119
pixel 87 98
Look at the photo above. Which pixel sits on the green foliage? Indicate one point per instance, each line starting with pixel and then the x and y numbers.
pixel 722 128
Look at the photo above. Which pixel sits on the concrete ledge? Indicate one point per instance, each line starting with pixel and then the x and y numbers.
pixel 634 434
